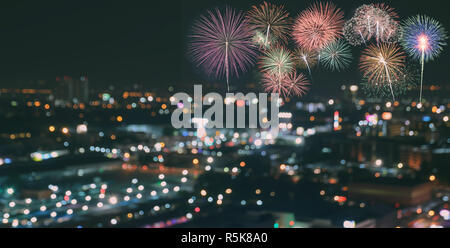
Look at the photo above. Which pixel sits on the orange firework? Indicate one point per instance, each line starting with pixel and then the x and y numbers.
pixel 305 59
pixel 382 64
pixel 271 21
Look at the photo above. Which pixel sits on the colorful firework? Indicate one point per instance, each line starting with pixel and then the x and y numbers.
pixel 382 64
pixel 305 59
pixel 270 20
pixel 423 38
pixel 407 80
pixel 221 44
pixel 277 61
pixel 292 84
pixel 336 56
pixel 318 26
pixel 377 21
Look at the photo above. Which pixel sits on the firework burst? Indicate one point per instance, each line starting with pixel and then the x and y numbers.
pixel 336 56
pixel 407 80
pixel 297 84
pixel 273 84
pixel 382 64
pixel 269 20
pixel 423 38
pixel 277 61
pixel 305 59
pixel 290 85
pixel 318 26
pixel 377 21
pixel 221 44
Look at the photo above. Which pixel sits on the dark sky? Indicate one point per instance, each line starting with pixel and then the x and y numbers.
pixel 139 41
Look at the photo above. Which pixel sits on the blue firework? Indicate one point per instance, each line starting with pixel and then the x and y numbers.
pixel 423 36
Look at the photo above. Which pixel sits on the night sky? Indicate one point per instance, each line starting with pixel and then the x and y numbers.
pixel 141 41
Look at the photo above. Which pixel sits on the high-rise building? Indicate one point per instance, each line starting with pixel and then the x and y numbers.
pixel 72 90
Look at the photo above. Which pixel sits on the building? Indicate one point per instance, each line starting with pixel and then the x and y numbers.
pixel 407 195
pixel 70 90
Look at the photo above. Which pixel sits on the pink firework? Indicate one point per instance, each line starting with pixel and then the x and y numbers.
pixel 388 9
pixel 297 84
pixel 318 26
pixel 274 84
pixel 290 85
pixel 221 44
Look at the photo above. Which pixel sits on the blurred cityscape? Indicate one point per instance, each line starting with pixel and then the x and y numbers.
pixel 72 155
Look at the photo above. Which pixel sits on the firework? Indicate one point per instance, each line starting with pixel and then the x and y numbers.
pixel 292 84
pixel 388 9
pixel 407 80
pixel 423 38
pixel 353 32
pixel 385 23
pixel 221 44
pixel 336 56
pixel 277 61
pixel 318 26
pixel 269 20
pixel 264 42
pixel 382 64
pixel 276 64
pixel 377 21
pixel 274 84
pixel 297 84
pixel 305 59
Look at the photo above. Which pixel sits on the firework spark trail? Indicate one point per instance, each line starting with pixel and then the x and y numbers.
pixel 309 68
pixel 362 37
pixel 381 62
pixel 318 25
pixel 306 59
pixel 423 38
pixel 389 78
pixel 267 33
pixel 221 44
pixel 422 66
pixel 271 20
pixel 227 71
